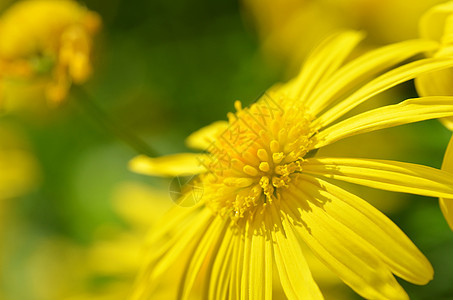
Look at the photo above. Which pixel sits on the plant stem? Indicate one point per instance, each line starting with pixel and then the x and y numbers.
pixel 96 113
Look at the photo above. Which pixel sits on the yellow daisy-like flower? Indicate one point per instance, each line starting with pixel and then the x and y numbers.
pixel 261 190
pixel 437 25
pixel 47 38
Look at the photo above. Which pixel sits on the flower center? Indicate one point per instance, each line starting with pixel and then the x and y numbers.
pixel 257 156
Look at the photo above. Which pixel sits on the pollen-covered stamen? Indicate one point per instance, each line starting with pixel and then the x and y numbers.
pixel 277 157
pixel 288 169
pixel 268 189
pixel 259 154
pixel 264 167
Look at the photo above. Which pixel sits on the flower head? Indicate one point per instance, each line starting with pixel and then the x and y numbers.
pixel 50 39
pixel 437 25
pixel 266 190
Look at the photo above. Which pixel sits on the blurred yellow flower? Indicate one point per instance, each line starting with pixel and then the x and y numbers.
pixel 57 268
pixel 437 24
pixel 261 190
pixel 46 42
pixel 288 28
pixel 117 252
pixel 19 171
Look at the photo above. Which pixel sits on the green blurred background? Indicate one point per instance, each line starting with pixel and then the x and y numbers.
pixel 162 70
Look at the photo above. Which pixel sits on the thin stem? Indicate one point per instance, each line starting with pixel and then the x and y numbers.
pixel 109 125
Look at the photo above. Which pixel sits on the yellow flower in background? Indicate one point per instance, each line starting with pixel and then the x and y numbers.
pixel 19 171
pixel 261 190
pixel 117 252
pixel 58 268
pixel 446 205
pixel 437 24
pixel 287 28
pixel 46 42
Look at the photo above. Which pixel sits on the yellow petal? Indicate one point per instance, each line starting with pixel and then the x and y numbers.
pixel 448 122
pixel 432 23
pixel 446 204
pixel 246 262
pixel 234 268
pixel 170 165
pixel 409 111
pixel 347 254
pixel 324 60
pixel 230 284
pixel 175 216
pixel 260 265
pixel 166 251
pixel 237 263
pixel 383 174
pixel 437 24
pixel 394 247
pixel 363 68
pixel 437 84
pixel 293 270
pixel 202 138
pixel 209 243
pixel 221 270
pixel 380 84
pixel 268 265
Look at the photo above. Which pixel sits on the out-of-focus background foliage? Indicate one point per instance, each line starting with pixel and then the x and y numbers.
pixel 73 218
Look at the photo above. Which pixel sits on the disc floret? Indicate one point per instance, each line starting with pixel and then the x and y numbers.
pixel 258 155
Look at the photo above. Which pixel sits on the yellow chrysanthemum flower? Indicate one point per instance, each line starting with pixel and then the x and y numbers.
pixel 46 39
pixel 261 190
pixel 286 28
pixel 19 171
pixel 437 25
